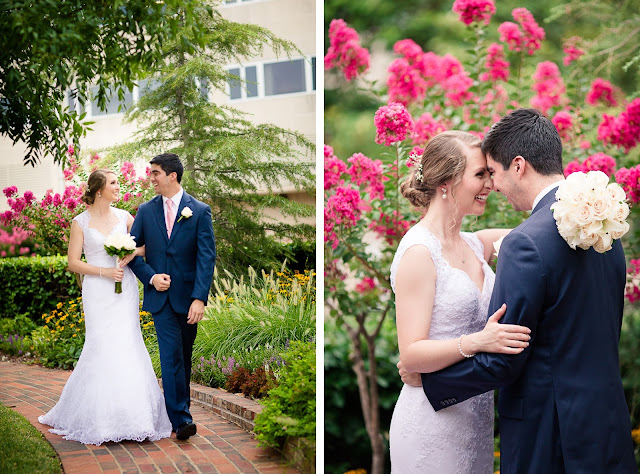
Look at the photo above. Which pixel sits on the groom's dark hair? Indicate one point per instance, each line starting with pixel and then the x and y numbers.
pixel 528 133
pixel 170 163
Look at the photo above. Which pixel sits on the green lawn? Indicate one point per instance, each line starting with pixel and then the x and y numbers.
pixel 23 449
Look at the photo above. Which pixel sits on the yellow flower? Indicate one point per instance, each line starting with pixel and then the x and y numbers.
pixel 74 335
pixel 635 434
pixel 59 305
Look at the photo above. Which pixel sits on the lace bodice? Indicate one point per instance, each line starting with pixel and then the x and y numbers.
pixel 458 439
pixel 93 244
pixel 459 307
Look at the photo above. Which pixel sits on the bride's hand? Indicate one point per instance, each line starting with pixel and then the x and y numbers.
pixel 138 252
pixel 501 338
pixel 114 273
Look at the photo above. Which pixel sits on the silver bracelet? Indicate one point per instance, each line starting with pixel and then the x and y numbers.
pixel 466 356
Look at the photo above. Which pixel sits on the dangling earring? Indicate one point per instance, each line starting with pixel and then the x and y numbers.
pixel 99 194
pixel 444 193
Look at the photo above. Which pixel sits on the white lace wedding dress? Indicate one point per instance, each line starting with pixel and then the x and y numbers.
pixel 459 438
pixel 113 393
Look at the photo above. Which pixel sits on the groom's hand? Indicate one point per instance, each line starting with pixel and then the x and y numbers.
pixel 161 281
pixel 196 312
pixel 410 378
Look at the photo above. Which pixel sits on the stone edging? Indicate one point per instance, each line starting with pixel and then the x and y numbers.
pixel 235 408
pixel 230 406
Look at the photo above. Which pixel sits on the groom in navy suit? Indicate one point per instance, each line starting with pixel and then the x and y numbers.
pixel 561 404
pixel 176 272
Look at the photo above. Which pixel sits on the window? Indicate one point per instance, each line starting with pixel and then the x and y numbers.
pixel 235 86
pixel 114 106
pixel 252 81
pixel 273 78
pixel 284 77
pixel 147 85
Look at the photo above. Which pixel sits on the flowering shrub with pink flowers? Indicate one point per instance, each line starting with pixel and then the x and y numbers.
pixel 46 221
pixel 425 93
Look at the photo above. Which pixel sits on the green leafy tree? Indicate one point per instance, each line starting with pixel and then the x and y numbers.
pixel 51 47
pixel 231 163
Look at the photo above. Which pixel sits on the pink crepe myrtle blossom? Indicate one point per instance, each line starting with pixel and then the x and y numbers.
pixel 563 123
pixel 334 168
pixel 364 170
pixel 391 227
pixel 474 11
pixel 511 34
pixel 366 285
pixel 622 131
pixel 533 33
pixel 548 86
pixel 527 35
pixel 571 50
pixel 596 162
pixel 495 64
pixel 629 179
pixel 632 288
pixel 392 122
pixel 601 91
pixel 424 128
pixel 345 52
pixel 342 210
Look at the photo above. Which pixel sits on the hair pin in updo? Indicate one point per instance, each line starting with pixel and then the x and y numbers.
pixel 415 159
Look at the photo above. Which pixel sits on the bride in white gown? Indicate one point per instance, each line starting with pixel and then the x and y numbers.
pixel 442 284
pixel 113 393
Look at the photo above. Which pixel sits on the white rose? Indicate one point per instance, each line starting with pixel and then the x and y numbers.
pixel 584 215
pixel 186 212
pixel 615 228
pixel 603 244
pixel 596 179
pixel 601 205
pixel 616 192
pixel 619 211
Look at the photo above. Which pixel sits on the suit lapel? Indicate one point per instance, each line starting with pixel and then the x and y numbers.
pixel 546 201
pixel 159 213
pixel 184 202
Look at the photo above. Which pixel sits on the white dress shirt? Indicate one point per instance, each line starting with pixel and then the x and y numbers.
pixel 544 192
pixel 176 202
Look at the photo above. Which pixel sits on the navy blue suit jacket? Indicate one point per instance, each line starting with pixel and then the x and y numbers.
pixel 560 403
pixel 188 256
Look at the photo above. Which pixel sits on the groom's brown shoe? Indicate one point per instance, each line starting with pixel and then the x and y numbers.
pixel 185 430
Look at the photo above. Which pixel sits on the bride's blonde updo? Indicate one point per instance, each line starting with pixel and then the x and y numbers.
pixel 97 180
pixel 443 160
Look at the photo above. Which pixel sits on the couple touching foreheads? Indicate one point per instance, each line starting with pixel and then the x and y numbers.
pixel 550 343
pixel 113 394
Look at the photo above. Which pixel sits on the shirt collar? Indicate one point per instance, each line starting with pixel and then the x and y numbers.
pixel 176 198
pixel 544 192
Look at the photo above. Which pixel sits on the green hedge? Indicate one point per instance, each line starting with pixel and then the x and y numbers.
pixel 35 285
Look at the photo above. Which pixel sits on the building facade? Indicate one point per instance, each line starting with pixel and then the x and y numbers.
pixel 282 91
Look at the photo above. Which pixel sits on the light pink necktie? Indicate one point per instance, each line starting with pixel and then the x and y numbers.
pixel 169 217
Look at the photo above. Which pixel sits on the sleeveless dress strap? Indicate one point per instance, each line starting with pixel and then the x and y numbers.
pixel 417 235
pixel 83 220
pixel 475 243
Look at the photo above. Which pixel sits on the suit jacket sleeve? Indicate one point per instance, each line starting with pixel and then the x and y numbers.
pixel 206 256
pixel 138 265
pixel 520 283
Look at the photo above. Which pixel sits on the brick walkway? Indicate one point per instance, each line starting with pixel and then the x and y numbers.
pixel 219 446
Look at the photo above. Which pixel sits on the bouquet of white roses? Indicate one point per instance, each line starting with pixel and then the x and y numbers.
pixel 119 245
pixel 590 212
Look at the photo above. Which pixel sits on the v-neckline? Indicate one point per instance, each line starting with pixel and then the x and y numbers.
pixel 98 231
pixel 484 273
